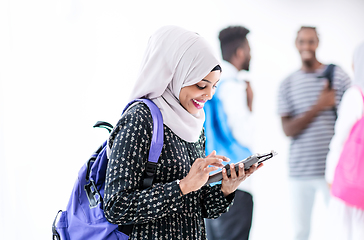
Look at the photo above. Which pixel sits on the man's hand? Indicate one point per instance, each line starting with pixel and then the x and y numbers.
pixel 326 98
pixel 294 126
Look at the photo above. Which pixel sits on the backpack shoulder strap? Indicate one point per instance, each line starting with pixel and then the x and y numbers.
pixel 329 74
pixel 362 95
pixel 154 150
pixel 156 143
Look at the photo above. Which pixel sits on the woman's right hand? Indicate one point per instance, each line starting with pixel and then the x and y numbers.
pixel 200 171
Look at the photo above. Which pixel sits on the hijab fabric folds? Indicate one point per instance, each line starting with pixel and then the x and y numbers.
pixel 359 66
pixel 174 58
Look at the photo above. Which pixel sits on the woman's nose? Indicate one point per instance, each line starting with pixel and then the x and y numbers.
pixel 209 94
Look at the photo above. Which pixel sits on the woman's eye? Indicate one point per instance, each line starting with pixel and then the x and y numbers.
pixel 215 86
pixel 201 88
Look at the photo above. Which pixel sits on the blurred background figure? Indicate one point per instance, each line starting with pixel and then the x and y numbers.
pixel 345 161
pixel 305 104
pixel 228 129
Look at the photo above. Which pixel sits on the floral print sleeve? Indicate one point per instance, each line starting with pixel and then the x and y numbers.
pixel 214 201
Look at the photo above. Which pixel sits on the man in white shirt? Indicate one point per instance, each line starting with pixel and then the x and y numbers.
pixel 234 96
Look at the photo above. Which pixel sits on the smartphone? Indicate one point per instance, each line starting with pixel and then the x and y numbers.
pixel 248 162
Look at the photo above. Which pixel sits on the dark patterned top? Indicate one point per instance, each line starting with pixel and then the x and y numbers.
pixel 158 212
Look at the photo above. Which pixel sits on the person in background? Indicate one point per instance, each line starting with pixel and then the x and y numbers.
pixel 347 212
pixel 179 74
pixel 306 106
pixel 228 129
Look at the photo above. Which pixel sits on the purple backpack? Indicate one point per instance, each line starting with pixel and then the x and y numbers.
pixel 84 216
pixel 348 183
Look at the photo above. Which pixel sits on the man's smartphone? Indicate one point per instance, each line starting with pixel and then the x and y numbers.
pixel 248 162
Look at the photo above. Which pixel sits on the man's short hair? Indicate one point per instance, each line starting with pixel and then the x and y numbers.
pixel 231 38
pixel 308 27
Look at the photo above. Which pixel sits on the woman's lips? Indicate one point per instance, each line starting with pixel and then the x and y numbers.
pixel 198 103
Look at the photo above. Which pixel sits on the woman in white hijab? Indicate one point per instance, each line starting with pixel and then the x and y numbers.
pixel 346 220
pixel 179 74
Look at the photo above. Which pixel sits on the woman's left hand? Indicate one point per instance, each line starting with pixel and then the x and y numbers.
pixel 230 184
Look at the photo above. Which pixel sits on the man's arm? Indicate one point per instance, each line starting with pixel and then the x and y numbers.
pixel 294 126
pixel 249 96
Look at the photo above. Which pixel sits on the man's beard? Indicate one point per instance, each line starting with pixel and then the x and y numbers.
pixel 246 65
pixel 308 63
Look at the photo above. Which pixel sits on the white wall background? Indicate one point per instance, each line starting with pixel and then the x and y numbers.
pixel 65 64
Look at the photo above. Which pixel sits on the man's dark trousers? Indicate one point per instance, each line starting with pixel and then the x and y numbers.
pixel 234 224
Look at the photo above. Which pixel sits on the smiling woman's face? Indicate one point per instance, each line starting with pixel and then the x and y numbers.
pixel 193 97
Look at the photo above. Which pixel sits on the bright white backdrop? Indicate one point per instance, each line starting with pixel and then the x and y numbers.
pixel 65 64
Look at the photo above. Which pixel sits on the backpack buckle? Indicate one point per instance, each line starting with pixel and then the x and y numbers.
pixel 149 174
pixel 150 169
pixel 92 194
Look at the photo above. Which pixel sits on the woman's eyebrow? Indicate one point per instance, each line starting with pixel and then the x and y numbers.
pixel 206 81
pixel 209 81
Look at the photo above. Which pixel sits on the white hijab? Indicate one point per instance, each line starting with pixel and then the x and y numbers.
pixel 359 66
pixel 175 58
